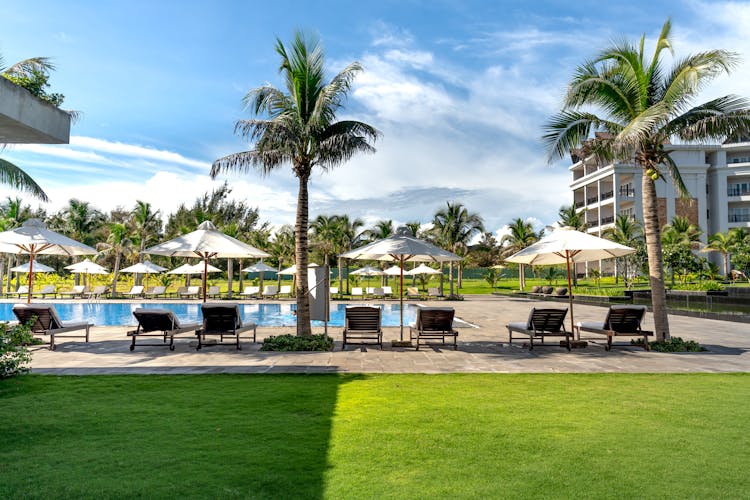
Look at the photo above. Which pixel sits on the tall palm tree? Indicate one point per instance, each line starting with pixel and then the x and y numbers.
pixel 350 235
pixel 722 243
pixel 283 248
pixel 301 130
pixel 626 231
pixel 326 233
pixel 684 230
pixel 455 227
pixel 521 234
pixel 118 245
pixel 80 220
pixel 640 105
pixel 571 217
pixel 147 225
pixel 380 230
pixel 414 227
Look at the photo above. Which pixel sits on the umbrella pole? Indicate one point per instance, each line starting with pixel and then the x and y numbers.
pixel 570 297
pixel 401 298
pixel 205 275
pixel 31 277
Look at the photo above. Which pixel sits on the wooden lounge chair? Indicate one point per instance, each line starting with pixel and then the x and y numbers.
pixel 434 323
pixel 270 291
pixel 434 293
pixel 162 321
pixel 156 291
pixel 46 290
pixel 77 291
pixel 621 321
pixel 135 291
pixel 251 292
pixel 190 292
pixel 45 322
pixel 97 292
pixel 223 320
pixel 214 292
pixel 21 291
pixel 541 323
pixel 362 325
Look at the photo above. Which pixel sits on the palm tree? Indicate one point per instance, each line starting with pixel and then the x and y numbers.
pixel 147 225
pixel 640 105
pixel 119 245
pixel 626 231
pixel 521 234
pixel 380 230
pixel 455 227
pixel 723 243
pixel 301 129
pixel 80 220
pixel 684 230
pixel 414 227
pixel 283 248
pixel 350 235
pixel 326 233
pixel 571 217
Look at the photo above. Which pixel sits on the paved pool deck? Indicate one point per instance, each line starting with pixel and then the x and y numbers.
pixel 482 348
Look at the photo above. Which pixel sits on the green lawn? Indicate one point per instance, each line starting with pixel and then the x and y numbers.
pixel 375 436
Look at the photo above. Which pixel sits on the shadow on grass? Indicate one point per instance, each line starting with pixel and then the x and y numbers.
pixel 166 436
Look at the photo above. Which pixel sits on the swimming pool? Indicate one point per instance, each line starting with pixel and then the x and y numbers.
pixel 121 314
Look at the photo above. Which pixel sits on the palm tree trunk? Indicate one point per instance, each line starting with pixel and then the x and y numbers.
pixel 230 272
pixel 450 270
pixel 115 272
pixel 655 266
pixel 300 228
pixel 460 275
pixel 241 277
pixel 726 265
pixel 340 275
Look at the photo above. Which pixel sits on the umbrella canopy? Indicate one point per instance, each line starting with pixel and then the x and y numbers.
pixel 86 266
pixel 33 238
pixel 260 267
pixel 368 271
pixel 422 269
pixel 566 245
pixel 38 268
pixel 184 269
pixel 292 270
pixel 393 271
pixel 145 267
pixel 200 267
pixel 401 248
pixel 206 242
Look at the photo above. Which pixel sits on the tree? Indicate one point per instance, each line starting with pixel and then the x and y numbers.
pixel 283 247
pixel 414 227
pixel 455 227
pixel 639 105
pixel 301 130
pixel 626 231
pixel 350 235
pixel 723 243
pixel 147 225
pixel 118 245
pixel 521 234
pixel 571 217
pixel 326 234
pixel 381 230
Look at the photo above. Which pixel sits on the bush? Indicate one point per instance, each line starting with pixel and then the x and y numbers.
pixel 296 343
pixel 675 344
pixel 13 352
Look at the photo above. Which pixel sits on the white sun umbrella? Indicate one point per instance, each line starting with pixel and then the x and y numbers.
pixel 394 271
pixel 367 271
pixel 292 270
pixel 422 269
pixel 146 267
pixel 33 238
pixel 401 248
pixel 183 269
pixel 86 267
pixel 201 268
pixel 260 268
pixel 566 245
pixel 38 268
pixel 206 242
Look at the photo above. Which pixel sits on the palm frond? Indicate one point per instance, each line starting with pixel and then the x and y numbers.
pixel 691 74
pixel 641 127
pixel 15 177
pixel 674 173
pixel 567 130
pixel 716 119
pixel 28 66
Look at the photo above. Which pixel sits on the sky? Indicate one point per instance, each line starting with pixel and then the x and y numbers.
pixel 459 90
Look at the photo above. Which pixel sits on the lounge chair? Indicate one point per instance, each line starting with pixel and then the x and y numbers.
pixel 97 292
pixel 44 321
pixel 77 291
pixel 251 292
pixel 434 323
pixel 156 291
pixel 388 291
pixel 21 291
pixel 214 292
pixel 378 293
pixel 334 290
pixel 285 290
pixel 46 290
pixel 190 292
pixel 413 293
pixel 362 324
pixel 136 291
pixel 541 323
pixel 370 290
pixel 270 291
pixel 434 293
pixel 223 320
pixel 621 321
pixel 357 291
pixel 162 321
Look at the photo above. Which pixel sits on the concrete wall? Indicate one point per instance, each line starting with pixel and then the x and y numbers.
pixel 24 119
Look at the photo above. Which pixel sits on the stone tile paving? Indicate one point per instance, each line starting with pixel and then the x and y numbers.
pixel 483 348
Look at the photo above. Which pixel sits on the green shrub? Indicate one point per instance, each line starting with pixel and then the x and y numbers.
pixel 703 286
pixel 13 352
pixel 296 343
pixel 675 344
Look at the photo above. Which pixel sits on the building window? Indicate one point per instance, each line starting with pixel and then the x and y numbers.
pixel 739 214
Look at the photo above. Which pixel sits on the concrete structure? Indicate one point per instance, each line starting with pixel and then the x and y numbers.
pixel 25 119
pixel 717 177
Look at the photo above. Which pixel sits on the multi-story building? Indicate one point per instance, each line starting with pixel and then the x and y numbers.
pixel 716 176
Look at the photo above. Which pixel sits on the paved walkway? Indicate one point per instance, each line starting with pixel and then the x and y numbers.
pixel 482 348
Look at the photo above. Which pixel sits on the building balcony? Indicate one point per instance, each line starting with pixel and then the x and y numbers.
pixel 592 199
pixel 607 220
pixel 737 191
pixel 607 195
pixel 739 217
pixel 25 119
pixel 626 192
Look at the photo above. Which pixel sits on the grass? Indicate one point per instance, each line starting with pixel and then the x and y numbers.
pixel 356 436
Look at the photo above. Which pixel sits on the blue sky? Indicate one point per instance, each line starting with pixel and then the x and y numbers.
pixel 459 90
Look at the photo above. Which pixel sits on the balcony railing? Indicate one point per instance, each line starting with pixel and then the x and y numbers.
pixel 739 217
pixel 607 220
pixel 579 204
pixel 607 195
pixel 627 192
pixel 592 199
pixel 737 191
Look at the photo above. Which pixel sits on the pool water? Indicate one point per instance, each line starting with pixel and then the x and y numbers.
pixel 121 314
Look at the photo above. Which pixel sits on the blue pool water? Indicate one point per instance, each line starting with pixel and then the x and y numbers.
pixel 120 314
